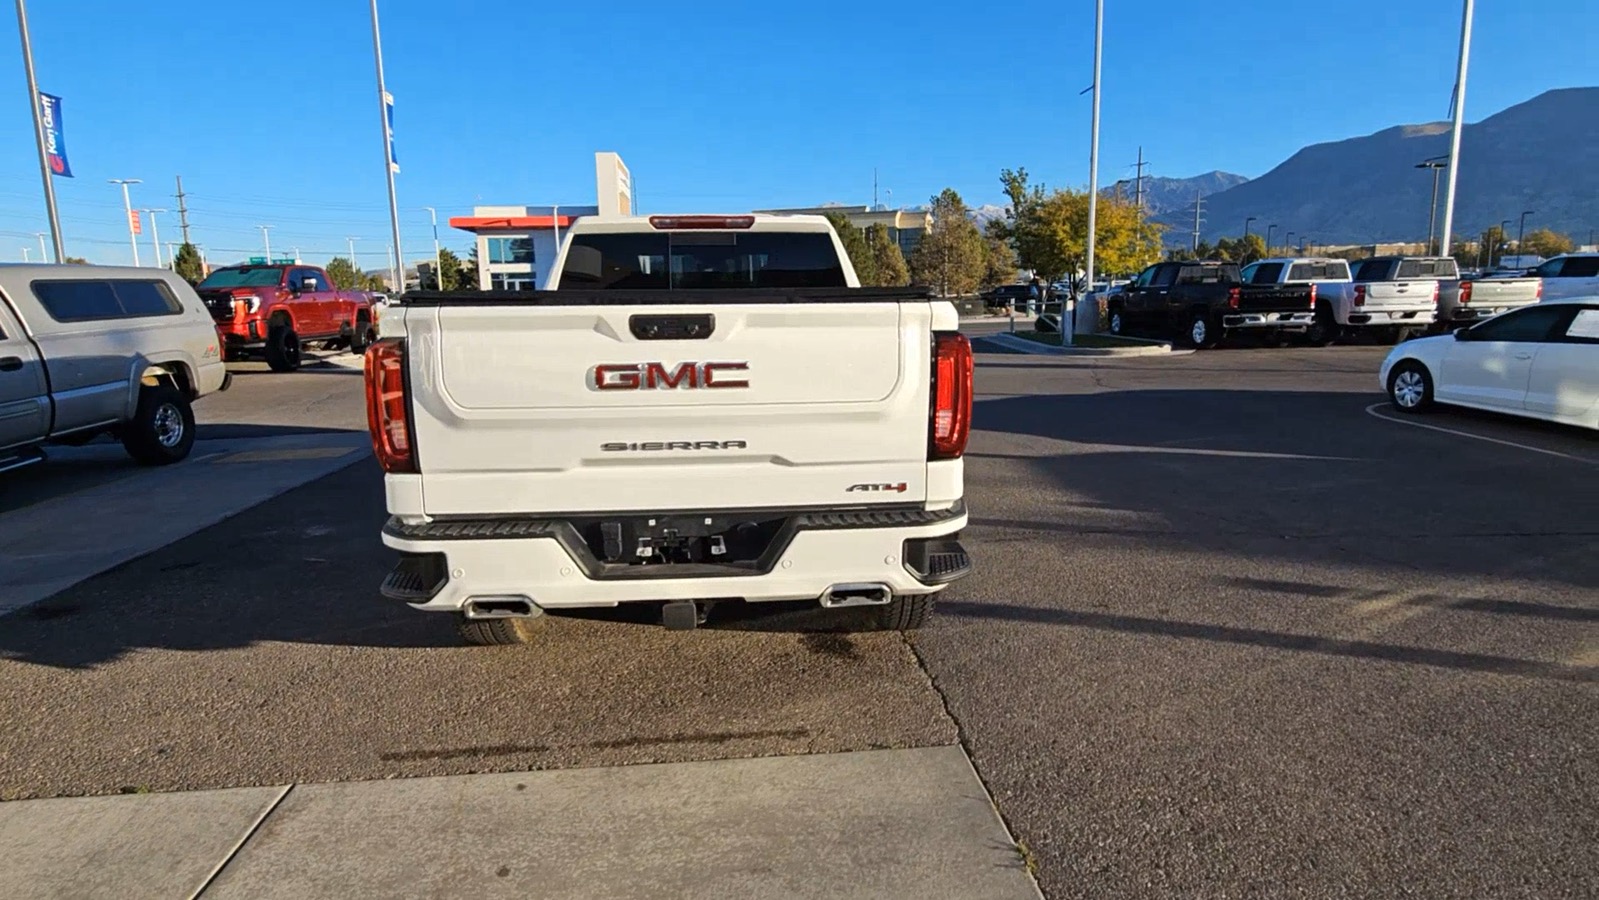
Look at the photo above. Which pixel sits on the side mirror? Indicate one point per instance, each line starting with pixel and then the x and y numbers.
pixel 1462 334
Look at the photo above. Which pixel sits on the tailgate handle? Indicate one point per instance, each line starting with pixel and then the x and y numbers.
pixel 672 327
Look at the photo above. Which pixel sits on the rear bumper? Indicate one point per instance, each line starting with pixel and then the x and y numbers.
pixel 448 563
pixel 1468 314
pixel 1299 319
pixel 1387 318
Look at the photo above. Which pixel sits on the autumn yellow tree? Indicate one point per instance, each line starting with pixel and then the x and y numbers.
pixel 1049 230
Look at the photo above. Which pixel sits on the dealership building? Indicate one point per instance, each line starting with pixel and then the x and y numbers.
pixel 516 245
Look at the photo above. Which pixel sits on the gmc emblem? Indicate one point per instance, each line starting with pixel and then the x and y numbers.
pixel 656 376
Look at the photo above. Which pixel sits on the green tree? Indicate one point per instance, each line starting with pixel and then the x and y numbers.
pixel 888 263
pixel 999 257
pixel 1494 245
pixel 1049 230
pixel 1546 243
pixel 75 261
pixel 188 264
pixel 346 275
pixel 854 247
pixel 455 277
pixel 949 258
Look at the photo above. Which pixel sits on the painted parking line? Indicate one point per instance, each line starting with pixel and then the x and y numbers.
pixel 1372 411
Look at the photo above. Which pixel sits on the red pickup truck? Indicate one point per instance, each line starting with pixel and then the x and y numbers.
pixel 272 311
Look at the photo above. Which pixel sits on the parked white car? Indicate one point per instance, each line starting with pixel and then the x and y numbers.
pixel 1539 361
pixel 1571 275
pixel 86 350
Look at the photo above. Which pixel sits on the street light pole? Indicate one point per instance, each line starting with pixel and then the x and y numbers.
pixel 267 240
pixel 1269 229
pixel 1432 210
pixel 1068 324
pixel 1288 242
pixel 38 134
pixel 1246 227
pixel 43 255
pixel 1458 121
pixel 388 153
pixel 438 262
pixel 1521 233
pixel 352 241
pixel 155 234
pixel 127 206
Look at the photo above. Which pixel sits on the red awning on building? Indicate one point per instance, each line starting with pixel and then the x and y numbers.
pixel 507 223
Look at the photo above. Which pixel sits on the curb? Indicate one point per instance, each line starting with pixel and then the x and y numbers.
pixel 1023 345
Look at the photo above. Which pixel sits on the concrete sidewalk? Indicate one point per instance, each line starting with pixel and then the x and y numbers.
pixel 884 824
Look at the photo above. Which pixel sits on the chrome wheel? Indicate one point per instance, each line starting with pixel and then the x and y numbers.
pixel 1116 324
pixel 1199 332
pixel 1409 389
pixel 168 425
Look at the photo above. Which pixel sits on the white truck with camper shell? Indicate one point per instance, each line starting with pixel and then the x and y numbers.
pixel 694 409
pixel 90 350
pixel 1466 301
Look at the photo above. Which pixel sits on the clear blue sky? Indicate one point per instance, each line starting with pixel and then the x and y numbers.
pixel 269 111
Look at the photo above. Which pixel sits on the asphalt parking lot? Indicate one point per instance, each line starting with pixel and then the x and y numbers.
pixel 1232 633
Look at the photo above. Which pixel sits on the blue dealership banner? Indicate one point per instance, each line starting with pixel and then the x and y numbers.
pixel 55 144
pixel 388 117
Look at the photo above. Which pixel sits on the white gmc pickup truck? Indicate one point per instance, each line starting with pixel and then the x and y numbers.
pixel 695 409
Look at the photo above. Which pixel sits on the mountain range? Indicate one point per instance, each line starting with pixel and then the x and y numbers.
pixel 1541 155
pixel 1170 195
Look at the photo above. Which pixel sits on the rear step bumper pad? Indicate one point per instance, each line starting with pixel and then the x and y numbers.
pixel 445 563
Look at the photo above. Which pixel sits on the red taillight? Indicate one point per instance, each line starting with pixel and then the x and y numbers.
pixel 952 396
pixel 1465 292
pixel 1540 289
pixel 1438 290
pixel 388 414
pixel 672 223
pixel 1312 295
pixel 1360 295
pixel 1233 294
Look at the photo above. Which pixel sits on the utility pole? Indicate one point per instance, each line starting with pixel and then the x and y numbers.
pixel 874 188
pixel 385 103
pixel 155 235
pixel 352 250
pixel 1522 233
pixel 1138 184
pixel 1457 120
pixel 38 135
pixel 183 211
pixel 267 240
pixel 1199 205
pixel 43 256
pixel 127 206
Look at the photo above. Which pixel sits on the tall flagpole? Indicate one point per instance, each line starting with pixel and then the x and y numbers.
pixel 384 102
pixel 1093 170
pixel 38 133
pixel 1457 125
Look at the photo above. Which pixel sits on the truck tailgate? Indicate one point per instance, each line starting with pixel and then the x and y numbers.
pixel 1274 298
pixel 1405 295
pixel 547 409
pixel 1504 293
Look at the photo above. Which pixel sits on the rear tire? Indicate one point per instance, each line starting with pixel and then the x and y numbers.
pixel 283 349
pixel 1410 387
pixel 906 612
pixel 1323 329
pixel 161 431
pixel 1202 334
pixel 361 337
pixel 500 632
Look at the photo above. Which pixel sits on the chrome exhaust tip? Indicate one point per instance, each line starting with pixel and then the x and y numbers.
pixel 507 607
pixel 842 595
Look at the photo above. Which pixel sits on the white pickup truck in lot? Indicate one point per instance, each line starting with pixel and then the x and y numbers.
pixel 1569 276
pixel 695 409
pixel 86 350
pixel 1391 297
pixel 1466 301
